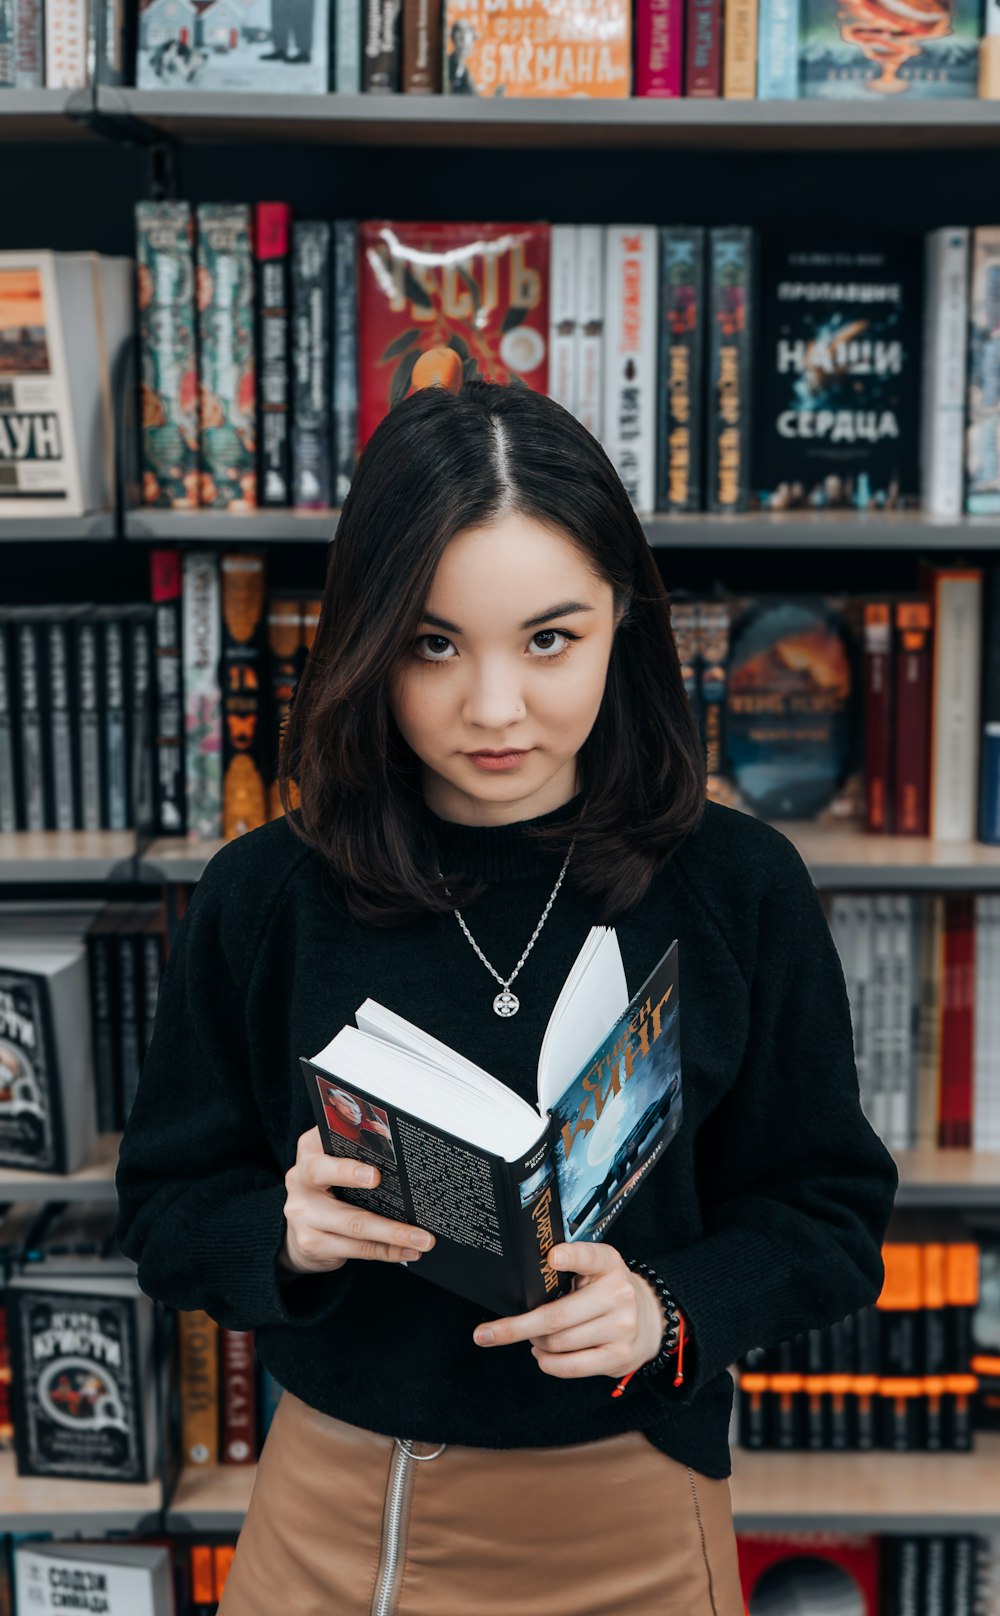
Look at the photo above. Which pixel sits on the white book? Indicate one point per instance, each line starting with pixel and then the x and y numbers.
pixel 120 1579
pixel 65 35
pixel 956 674
pixel 563 302
pixel 47 1103
pixel 201 636
pixel 347 50
pixel 946 327
pixel 630 344
pixel 590 329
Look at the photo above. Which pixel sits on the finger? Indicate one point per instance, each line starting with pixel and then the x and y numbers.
pixel 323 1171
pixel 599 1332
pixel 575 1308
pixel 587 1257
pixel 351 1223
pixel 578 1365
pixel 320 1248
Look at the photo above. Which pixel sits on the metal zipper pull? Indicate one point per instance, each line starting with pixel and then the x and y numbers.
pixel 395 1516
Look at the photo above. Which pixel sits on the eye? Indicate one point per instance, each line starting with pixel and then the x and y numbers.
pixel 553 653
pixel 436 642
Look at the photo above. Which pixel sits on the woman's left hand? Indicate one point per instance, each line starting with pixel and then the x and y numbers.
pixel 610 1323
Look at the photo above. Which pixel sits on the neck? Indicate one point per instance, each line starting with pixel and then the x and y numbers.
pixel 501 852
pixel 447 801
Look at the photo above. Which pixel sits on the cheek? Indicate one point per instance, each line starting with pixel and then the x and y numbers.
pixel 416 702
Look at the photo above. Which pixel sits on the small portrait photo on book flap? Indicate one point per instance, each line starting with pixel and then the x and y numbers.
pixel 364 1124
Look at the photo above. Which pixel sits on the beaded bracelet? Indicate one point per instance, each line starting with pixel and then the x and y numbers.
pixel 672 1333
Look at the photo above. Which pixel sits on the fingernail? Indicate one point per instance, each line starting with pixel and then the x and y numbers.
pixel 554 1259
pixel 364 1175
pixel 422 1240
pixel 483 1337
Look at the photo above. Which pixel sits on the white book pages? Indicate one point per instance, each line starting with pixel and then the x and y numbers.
pixel 593 996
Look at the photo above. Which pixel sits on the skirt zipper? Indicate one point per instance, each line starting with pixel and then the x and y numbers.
pixel 395 1516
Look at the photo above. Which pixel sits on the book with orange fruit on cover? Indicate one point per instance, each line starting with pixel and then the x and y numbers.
pixel 538 47
pixel 441 303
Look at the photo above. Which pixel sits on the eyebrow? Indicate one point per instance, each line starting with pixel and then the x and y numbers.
pixel 567 607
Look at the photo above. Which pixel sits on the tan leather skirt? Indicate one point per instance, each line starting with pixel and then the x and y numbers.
pixel 345 1522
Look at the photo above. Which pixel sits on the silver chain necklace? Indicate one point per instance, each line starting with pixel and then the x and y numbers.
pixel 507 1003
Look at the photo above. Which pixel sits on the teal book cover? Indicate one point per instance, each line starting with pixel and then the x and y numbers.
pixel 881 49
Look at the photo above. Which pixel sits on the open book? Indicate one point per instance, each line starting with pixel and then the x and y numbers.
pixel 495 1180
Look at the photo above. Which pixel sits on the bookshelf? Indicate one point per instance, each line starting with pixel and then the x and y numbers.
pixel 67 855
pixel 98 525
pixel 42 1504
pixel 94 1181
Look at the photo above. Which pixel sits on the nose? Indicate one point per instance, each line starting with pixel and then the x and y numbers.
pixel 493 699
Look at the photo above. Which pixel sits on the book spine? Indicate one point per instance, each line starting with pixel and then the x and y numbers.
pixel 982 443
pixel 8 45
pixel 61 728
pixel 900 1136
pixel 631 269
pixel 703 56
pixel 29 55
pixel 200 638
pixel 199 1388
pixel 139 720
pixel 713 660
pixel 87 664
pixel 272 241
pixel 30 727
pixel 989 746
pixel 911 732
pixel 168 770
pixel 65 37
pixel 682 342
pixel 311 354
pixel 103 1030
pixel 168 367
pixel 877 720
pixel 422 47
pixel 238 1404
pixel 151 952
pixel 778 50
pixel 8 791
pixel 659 48
pixel 381 65
pixel 563 300
pixel 114 739
pixel 955 717
pixel 946 324
pixel 227 388
pixel 989 52
pixel 962 1594
pixel 732 308
pixel 534 1217
pixel 284 633
pixel 345 357
pixel 590 329
pixel 348 47
pixel 739 50
pixel 127 946
pixel 242 676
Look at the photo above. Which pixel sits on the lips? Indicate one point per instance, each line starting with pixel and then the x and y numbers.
pixel 510 751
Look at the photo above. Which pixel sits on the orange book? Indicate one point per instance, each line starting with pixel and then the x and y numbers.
pixel 538 48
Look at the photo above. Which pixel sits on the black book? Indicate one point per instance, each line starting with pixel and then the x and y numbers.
pixel 46 1073
pixel 168 693
pixel 8 783
pixel 312 469
pixel 86 635
pixel 139 736
pixel 111 677
pixel 680 391
pixel 496 1180
pixel 129 963
pixel 62 729
pixel 732 311
pixel 382 54
pixel 35 805
pixel 272 242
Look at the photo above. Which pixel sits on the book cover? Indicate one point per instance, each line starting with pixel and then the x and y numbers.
pixel 312 470
pixel 46 1071
pixel 139 736
pixel 201 640
pixel 538 48
pixel 739 50
pixel 495 1217
pixel 117 1579
pixel 422 48
pixel 28 40
pixel 838 427
pixel 168 366
pixel 345 355
pixel 272 246
pixel 631 275
pixel 128 962
pixel 982 443
pixel 112 683
pixel 989 53
pixel 61 727
pixel 681 368
pixel 442 302
pixel 244 804
pixel 168 691
pixel 778 50
pixel 732 315
pixel 226 379
pixel 830 1571
pixel 703 53
pixel 945 345
pixel 65 39
pixel 659 48
pixel 271 46
pixel 381 61
pixel 198 1359
pixel 8 45
pixel 39 459
pixel 855 48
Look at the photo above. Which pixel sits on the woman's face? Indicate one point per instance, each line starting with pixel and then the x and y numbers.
pixel 484 675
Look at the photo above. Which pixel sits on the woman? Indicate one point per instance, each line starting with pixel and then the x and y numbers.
pixel 494 752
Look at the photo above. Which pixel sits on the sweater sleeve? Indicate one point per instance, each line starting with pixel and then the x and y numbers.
pixel 200 1194
pixel 793 1228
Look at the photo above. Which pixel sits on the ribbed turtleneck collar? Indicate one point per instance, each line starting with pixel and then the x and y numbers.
pixel 499 852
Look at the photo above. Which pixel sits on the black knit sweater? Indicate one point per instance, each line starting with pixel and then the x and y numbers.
pixel 765 1215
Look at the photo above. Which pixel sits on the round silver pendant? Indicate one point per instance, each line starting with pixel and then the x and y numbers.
pixel 506 1003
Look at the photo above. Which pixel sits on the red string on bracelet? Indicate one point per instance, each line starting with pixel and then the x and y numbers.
pixel 617 1391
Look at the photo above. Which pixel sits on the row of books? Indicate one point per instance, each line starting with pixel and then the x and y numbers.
pixel 657 338
pixel 916 1371
pixel 227 1397
pixel 923 979
pixel 594 48
pixel 858 1574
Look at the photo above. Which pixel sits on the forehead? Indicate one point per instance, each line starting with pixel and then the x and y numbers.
pixel 515 567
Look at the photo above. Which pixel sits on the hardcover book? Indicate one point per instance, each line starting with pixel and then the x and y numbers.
pixel 681 369
pixel 226 375
pixel 630 321
pixel 118 1579
pixel 168 367
pixel 312 353
pixel 244 797
pixel 496 1180
pixel 856 48
pixel 259 45
pixel 982 443
pixel 538 48
pixel 272 246
pixel 47 1110
pixel 440 303
pixel 732 312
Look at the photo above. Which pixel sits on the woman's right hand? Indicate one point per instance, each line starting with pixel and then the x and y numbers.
pixel 322 1231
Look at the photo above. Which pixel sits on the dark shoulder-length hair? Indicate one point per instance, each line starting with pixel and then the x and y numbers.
pixel 437 464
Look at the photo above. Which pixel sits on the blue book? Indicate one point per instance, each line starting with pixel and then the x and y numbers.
pixel 778 50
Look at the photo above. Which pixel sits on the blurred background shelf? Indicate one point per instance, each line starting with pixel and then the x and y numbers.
pixel 222 527
pixel 98 525
pixel 214 1499
pixel 41 1504
pixel 67 855
pixel 94 1181
pixel 45 115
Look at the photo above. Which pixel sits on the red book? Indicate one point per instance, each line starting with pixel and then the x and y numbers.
pixel 912 727
pixel 239 1417
pixel 703 60
pixel 659 47
pixel 878 695
pixel 441 303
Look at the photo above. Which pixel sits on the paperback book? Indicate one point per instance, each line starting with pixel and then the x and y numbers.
pixel 496 1180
